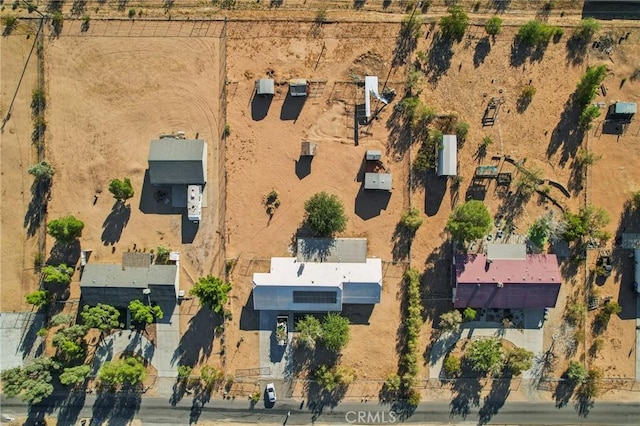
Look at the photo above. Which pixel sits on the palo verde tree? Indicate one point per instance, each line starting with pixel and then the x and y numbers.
pixel 469 221
pixel 60 274
pixel 212 292
pixel 38 298
pixel 309 331
pixel 335 332
pixel 493 26
pixel 75 375
pixel 455 24
pixel 332 378
pixel 31 383
pixel 536 33
pixel 70 342
pixel 65 229
pixel 324 213
pixel 485 356
pixel 128 371
pixel 102 316
pixel 122 190
pixel 143 313
pixel 587 29
pixel 588 223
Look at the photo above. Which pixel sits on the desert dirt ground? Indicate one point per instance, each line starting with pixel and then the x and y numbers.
pixel 108 96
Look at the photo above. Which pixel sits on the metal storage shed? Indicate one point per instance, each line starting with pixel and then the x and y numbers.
pixel 373 155
pixel 308 149
pixel 380 181
pixel 448 156
pixel 265 86
pixel 298 87
pixel 627 109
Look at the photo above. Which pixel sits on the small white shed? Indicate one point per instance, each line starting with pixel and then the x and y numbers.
pixel 448 156
pixel 298 87
pixel 265 87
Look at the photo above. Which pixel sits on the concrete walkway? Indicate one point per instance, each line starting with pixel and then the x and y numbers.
pixel 159 356
pixel 530 338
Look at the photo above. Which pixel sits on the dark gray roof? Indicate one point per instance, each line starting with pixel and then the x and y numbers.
pixel 332 250
pixel 177 161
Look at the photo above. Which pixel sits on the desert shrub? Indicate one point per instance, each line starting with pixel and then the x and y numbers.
pixel 450 321
pixel 41 171
pixel 469 314
pixel 411 219
pixel 184 371
pixel 452 366
pixel 584 157
pixel 392 384
pixel 604 315
pixel 587 29
pixel 576 372
pixel 462 130
pixel 528 91
pixel 9 21
pixel 575 312
pixel 128 371
pixel 518 360
pixel 455 24
pixel 537 33
pixel 493 26
pixel 528 180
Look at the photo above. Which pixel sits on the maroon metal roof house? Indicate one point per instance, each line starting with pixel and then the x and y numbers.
pixel 531 282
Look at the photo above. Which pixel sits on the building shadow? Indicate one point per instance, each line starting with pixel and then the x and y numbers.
pixel 115 222
pixel 482 50
pixel 357 314
pixel 370 203
pixel 189 228
pixel 37 209
pixel 434 193
pixel 292 107
pixel 260 107
pixel 196 343
pixel 303 166
pixel 249 317
pixel 156 199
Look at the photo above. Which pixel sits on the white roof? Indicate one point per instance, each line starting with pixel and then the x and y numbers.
pixel 448 156
pixel 287 271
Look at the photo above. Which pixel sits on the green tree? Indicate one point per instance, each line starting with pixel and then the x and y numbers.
pixel 75 375
pixel 127 371
pixel 143 313
pixel 38 298
pixel 60 274
pixel 589 222
pixel 587 29
pixel 392 384
pixel 65 229
pixel 469 221
pixel 452 366
pixel 450 321
pixel 518 360
pixel 70 342
pixel 41 171
pixel 604 315
pixel 540 231
pixel 455 24
pixel 335 332
pixel 587 116
pixel 536 33
pixel 122 190
pixel 31 383
pixel 212 292
pixel 332 378
pixel 325 214
pixel 485 355
pixel 591 387
pixel 493 26
pixel 102 316
pixel 309 331
pixel 462 130
pixel 411 219
pixel 588 84
pixel 469 314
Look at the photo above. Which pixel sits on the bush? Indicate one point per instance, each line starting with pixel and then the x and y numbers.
pixel 518 360
pixel 469 314
pixel 450 321
pixel 57 20
pixel 604 315
pixel 38 101
pixel 584 157
pixel 42 171
pixel 129 371
pixel 335 332
pixel 528 91
pixel 413 397
pixel 9 22
pixel 540 231
pixel 452 366
pixel 588 223
pixel 122 190
pixel 184 371
pixel 60 274
pixel 455 24
pixel 588 85
pixel 462 129
pixel 411 219
pixel 392 384
pixel 537 33
pixel 493 26
pixel 587 29
pixel 325 214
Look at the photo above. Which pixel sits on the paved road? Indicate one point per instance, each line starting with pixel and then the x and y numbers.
pixel 158 411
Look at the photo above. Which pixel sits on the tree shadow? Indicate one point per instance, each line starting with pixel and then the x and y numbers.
pixel 583 405
pixel 115 222
pixel 36 321
pixel 567 135
pixel 520 52
pixel 406 42
pixel 466 395
pixel 399 133
pixel 69 409
pixel 576 49
pixel 500 390
pixel 196 343
pixel 483 48
pixel 501 5
pixel 202 395
pixel 37 209
pixel 78 7
pixel 576 178
pixel 439 58
pixel 320 398
pixel 401 239
pixel 523 103
pixel 68 254
pixel 117 408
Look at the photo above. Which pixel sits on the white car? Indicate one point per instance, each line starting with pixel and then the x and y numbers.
pixel 271 392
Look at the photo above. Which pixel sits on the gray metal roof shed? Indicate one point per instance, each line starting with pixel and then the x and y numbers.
pixel 298 87
pixel 625 108
pixel 380 181
pixel 178 161
pixel 308 149
pixel 373 154
pixel 448 156
pixel 332 250
pixel 265 86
